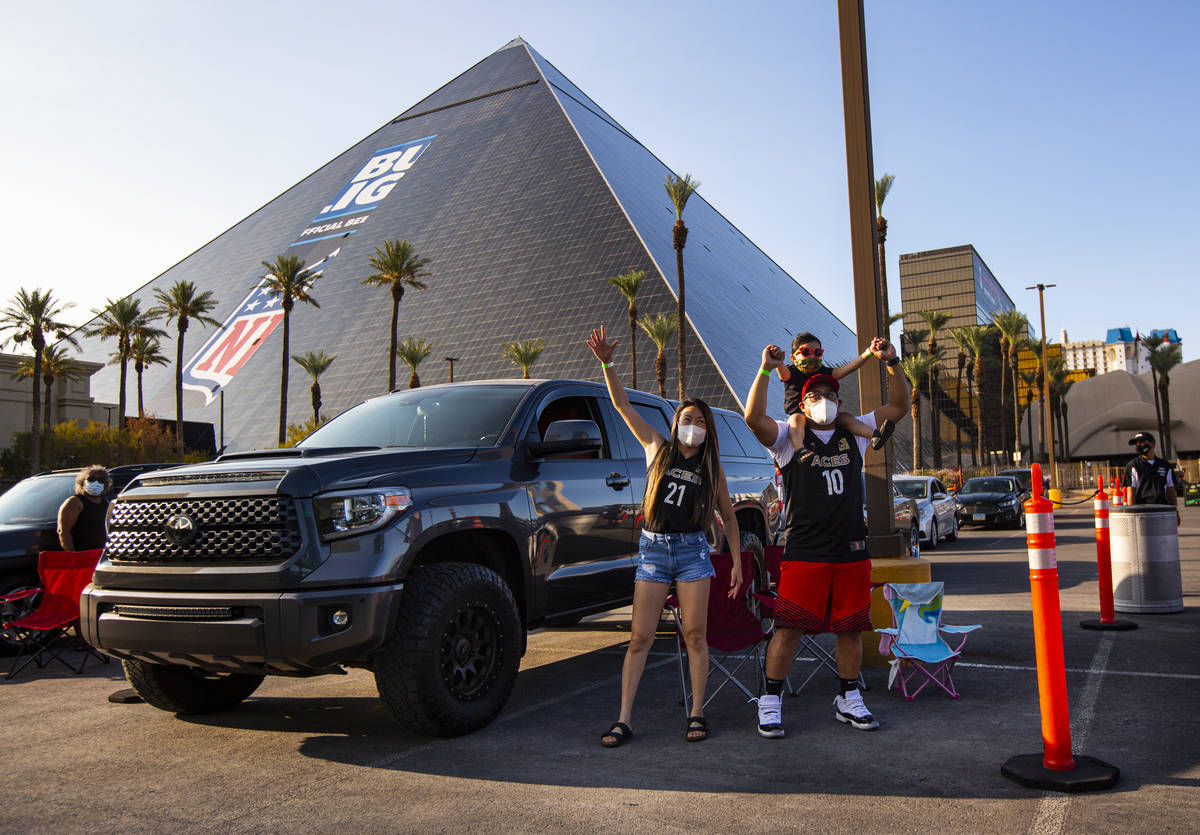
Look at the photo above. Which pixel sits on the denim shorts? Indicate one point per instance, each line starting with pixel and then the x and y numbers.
pixel 682 557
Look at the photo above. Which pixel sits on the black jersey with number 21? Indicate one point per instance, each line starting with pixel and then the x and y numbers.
pixel 677 493
pixel 824 502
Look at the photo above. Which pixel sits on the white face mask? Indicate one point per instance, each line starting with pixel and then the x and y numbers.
pixel 93 488
pixel 690 434
pixel 823 412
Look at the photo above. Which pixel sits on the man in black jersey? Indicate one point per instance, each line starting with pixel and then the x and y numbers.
pixel 1148 479
pixel 825 583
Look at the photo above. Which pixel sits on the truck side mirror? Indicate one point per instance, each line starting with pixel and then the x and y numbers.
pixel 565 436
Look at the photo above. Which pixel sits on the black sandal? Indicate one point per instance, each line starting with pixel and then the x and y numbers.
pixel 694 724
pixel 619 732
pixel 880 436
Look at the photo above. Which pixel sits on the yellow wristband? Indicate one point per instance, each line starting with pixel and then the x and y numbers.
pixel 765 372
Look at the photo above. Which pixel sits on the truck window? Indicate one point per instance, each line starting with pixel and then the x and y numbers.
pixel 571 408
pixel 652 415
pixel 749 444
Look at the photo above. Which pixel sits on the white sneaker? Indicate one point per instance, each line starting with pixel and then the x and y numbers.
pixel 770 715
pixel 851 710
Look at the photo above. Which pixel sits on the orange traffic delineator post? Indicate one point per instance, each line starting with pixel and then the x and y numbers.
pixel 1055 768
pixel 1107 619
pixel 1118 496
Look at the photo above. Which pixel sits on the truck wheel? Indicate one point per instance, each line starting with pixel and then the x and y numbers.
pixel 180 689
pixel 14 639
pixel 452 661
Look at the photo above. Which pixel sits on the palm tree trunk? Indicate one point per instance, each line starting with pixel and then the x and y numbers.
pixel 1003 386
pixel 1164 386
pixel 633 345
pixel 918 460
pixel 660 368
pixel 962 361
pixel 393 343
pixel 179 386
pixel 35 435
pixel 122 400
pixel 414 382
pixel 680 241
pixel 881 228
pixel 978 374
pixel 316 401
pixel 1012 360
pixel 1029 420
pixel 47 404
pixel 141 404
pixel 935 430
pixel 283 378
pixel 1157 401
pixel 1066 431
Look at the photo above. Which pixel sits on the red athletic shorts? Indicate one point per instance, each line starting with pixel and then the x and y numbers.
pixel 824 596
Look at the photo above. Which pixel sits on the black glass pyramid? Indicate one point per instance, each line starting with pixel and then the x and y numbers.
pixel 525 197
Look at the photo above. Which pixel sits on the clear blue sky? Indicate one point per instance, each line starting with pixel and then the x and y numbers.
pixel 1055 137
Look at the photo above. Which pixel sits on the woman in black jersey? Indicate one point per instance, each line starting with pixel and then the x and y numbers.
pixel 81 516
pixel 684 486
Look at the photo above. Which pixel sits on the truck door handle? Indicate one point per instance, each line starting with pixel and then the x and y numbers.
pixel 616 481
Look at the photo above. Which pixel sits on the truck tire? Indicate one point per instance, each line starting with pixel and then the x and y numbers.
pixel 452 661
pixel 179 689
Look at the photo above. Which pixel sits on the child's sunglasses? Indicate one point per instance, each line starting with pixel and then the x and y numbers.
pixel 805 352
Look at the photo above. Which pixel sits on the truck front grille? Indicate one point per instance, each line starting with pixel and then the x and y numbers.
pixel 188 531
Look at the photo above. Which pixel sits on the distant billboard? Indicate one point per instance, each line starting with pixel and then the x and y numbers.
pixel 990 297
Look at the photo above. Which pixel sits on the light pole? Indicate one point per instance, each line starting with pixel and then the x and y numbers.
pixel 1046 387
pixel 451 360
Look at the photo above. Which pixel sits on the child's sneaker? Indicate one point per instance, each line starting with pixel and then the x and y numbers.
pixel 880 436
pixel 770 715
pixel 850 710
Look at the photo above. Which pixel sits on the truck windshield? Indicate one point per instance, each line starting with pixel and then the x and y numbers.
pixel 434 417
pixel 36 499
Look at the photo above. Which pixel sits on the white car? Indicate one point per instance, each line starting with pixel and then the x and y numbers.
pixel 935 504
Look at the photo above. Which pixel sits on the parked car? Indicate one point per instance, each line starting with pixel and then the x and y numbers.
pixel 938 514
pixel 906 517
pixel 1024 477
pixel 991 500
pixel 419 535
pixel 29 524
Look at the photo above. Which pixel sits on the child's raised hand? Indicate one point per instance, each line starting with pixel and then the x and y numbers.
pixel 601 347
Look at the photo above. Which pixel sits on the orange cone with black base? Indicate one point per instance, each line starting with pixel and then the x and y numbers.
pixel 1055 768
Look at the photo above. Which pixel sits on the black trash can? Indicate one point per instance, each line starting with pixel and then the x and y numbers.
pixel 1145 559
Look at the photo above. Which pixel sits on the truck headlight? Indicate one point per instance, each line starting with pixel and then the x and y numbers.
pixel 358 511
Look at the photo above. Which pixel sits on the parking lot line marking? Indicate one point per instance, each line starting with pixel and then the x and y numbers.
pixel 1051 814
pixel 1133 673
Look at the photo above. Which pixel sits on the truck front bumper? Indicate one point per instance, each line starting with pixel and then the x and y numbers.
pixel 282 633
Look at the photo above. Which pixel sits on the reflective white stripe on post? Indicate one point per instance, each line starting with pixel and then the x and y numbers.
pixel 1042 558
pixel 1101 522
pixel 1039 523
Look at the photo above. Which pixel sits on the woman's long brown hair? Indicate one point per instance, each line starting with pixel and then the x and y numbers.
pixel 710 468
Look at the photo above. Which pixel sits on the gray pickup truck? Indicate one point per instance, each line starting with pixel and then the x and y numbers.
pixel 420 535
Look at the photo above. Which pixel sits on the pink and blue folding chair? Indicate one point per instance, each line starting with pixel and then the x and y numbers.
pixel 915 640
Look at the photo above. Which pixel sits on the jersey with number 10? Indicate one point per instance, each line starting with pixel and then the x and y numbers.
pixel 823 500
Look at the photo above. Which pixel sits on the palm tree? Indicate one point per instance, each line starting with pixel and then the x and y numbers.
pixel 680 189
pixel 316 364
pixel 1029 378
pixel 911 339
pixel 412 351
pixel 122 319
pixel 883 187
pixel 30 317
pixel 963 346
pixel 628 284
pixel 660 328
pixel 56 365
pixel 1152 344
pixel 1013 326
pixel 145 351
pixel 1162 361
pixel 977 337
pixel 397 267
pixel 289 281
pixel 524 353
pixel 935 320
pixel 182 303
pixel 1060 384
pixel 917 368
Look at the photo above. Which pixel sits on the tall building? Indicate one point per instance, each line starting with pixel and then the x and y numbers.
pixel 954 279
pixel 526 197
pixel 1120 350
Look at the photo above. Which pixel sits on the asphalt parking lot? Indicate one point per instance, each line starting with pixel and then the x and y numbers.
pixel 322 754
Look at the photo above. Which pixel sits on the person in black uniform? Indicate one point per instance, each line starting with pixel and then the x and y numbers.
pixel 1148 479
pixel 825 577
pixel 81 516
pixel 684 485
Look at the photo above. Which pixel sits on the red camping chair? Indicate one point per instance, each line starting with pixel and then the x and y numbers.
pixel 736 634
pixel 809 650
pixel 64 575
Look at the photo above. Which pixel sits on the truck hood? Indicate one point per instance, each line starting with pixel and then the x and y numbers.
pixel 303 472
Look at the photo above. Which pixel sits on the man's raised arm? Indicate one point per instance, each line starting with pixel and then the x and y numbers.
pixel 898 396
pixel 763 427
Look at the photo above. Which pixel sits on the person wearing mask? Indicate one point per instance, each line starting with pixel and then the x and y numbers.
pixel 685 484
pixel 81 516
pixel 1149 479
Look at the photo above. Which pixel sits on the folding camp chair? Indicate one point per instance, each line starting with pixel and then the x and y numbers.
pixel 737 636
pixel 915 639
pixel 64 575
pixel 809 649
